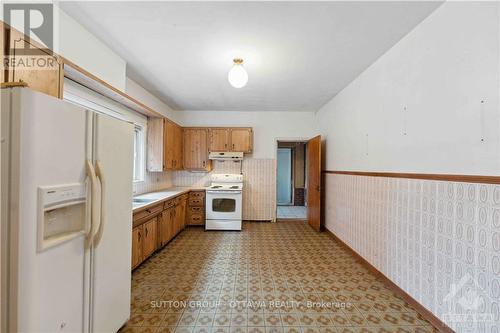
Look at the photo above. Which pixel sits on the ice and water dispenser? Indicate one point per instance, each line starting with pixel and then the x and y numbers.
pixel 61 213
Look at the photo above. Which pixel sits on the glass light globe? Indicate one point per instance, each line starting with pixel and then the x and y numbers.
pixel 237 76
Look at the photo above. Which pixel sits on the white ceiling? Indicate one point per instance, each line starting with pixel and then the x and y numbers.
pixel 298 55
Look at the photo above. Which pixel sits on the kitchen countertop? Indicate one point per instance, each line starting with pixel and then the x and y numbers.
pixel 154 198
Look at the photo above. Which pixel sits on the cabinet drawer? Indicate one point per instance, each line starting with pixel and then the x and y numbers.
pixel 196 210
pixel 169 203
pixel 197 194
pixel 196 202
pixel 196 219
pixel 146 214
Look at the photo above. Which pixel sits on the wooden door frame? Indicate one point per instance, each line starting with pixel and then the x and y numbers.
pixel 275 156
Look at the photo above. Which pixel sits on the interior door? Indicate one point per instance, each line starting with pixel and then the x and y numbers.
pixel 111 264
pixel 284 176
pixel 314 182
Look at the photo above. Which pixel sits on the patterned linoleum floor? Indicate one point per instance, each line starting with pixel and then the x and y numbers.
pixel 269 278
pixel 291 212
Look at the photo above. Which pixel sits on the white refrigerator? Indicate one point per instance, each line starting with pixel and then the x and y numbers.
pixel 66 216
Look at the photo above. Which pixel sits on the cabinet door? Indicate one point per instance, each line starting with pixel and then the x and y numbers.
pixel 164 227
pixel 219 139
pixel 156 131
pixel 183 212
pixel 47 79
pixel 136 246
pixel 169 145
pixel 178 218
pixel 241 139
pixel 149 243
pixel 178 148
pixel 196 149
pixel 172 222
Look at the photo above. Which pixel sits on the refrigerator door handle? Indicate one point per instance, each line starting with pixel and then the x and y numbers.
pixel 95 211
pixel 100 228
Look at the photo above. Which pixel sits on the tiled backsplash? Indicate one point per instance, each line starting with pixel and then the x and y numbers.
pixel 153 181
pixel 259 191
pixel 428 237
pixel 188 178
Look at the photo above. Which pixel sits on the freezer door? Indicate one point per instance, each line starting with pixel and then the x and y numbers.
pixel 48 147
pixel 111 263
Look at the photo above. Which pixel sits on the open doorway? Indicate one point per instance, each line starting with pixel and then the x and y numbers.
pixel 291 180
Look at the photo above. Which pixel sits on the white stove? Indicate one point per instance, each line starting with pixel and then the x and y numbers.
pixel 224 202
pixel 225 187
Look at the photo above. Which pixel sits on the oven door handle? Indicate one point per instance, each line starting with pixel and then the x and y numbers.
pixel 224 192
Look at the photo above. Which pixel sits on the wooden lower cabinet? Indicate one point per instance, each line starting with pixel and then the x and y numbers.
pixel 153 234
pixel 183 203
pixel 136 246
pixel 195 214
pixel 179 223
pixel 165 225
pixel 149 242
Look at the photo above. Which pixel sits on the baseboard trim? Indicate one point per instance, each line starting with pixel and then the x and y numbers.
pixel 425 176
pixel 428 315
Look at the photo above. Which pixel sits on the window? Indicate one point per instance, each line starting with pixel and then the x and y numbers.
pixel 139 158
pixel 84 97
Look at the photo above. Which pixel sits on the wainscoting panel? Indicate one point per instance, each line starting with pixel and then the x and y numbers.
pixel 259 192
pixel 437 240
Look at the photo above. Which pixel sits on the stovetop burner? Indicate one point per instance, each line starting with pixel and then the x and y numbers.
pixel 216 186
pixel 234 186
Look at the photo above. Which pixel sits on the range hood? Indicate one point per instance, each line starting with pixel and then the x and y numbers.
pixel 226 156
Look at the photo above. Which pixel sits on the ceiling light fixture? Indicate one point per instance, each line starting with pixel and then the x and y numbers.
pixel 237 76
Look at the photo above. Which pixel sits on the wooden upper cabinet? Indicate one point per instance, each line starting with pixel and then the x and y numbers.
pixel 219 139
pixel 47 79
pixel 231 139
pixel 196 149
pixel 178 147
pixel 156 143
pixel 164 145
pixel 168 149
pixel 241 139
